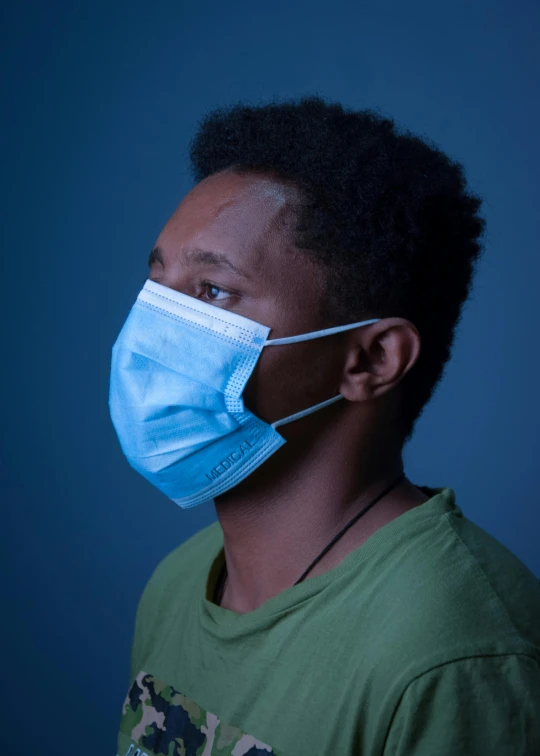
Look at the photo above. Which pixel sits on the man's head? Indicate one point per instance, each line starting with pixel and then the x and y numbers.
pixel 331 217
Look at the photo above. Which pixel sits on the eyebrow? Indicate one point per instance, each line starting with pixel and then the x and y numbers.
pixel 196 255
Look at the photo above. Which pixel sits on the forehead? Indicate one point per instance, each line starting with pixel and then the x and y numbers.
pixel 230 190
pixel 248 219
pixel 238 214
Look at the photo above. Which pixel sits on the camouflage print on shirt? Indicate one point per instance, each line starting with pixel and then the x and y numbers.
pixel 164 722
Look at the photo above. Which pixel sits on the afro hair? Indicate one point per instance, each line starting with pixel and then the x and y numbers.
pixel 387 214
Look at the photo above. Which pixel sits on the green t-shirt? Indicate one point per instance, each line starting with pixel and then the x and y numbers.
pixel 423 641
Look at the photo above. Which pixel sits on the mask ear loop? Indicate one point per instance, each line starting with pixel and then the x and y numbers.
pixel 317 334
pixel 305 412
pixel 307 337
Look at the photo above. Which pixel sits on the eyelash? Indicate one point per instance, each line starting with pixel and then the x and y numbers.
pixel 208 285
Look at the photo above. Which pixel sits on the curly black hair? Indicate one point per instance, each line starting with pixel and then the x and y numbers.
pixel 386 213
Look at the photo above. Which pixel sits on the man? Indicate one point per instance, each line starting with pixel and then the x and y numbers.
pixel 334 607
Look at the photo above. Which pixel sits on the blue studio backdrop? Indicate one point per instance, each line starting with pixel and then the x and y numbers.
pixel 99 103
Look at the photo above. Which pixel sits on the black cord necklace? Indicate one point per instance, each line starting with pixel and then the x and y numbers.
pixel 220 587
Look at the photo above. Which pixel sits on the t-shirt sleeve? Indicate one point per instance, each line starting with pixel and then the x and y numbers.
pixel 478 706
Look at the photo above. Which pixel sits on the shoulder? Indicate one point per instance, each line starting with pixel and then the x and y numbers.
pixel 461 584
pixel 182 561
pixel 169 583
pixel 453 592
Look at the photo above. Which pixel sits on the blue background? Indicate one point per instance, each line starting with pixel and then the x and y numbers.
pixel 100 100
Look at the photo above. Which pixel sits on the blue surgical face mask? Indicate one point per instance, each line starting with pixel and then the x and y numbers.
pixel 179 368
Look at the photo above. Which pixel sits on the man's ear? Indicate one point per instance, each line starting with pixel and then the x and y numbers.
pixel 378 356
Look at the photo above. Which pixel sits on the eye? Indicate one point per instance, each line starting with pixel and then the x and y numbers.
pixel 215 293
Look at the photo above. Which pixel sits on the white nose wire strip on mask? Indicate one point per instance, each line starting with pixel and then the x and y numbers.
pixel 307 337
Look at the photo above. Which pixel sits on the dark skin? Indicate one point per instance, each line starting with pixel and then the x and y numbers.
pixel 335 461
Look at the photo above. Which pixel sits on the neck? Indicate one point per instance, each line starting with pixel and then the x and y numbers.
pixel 278 520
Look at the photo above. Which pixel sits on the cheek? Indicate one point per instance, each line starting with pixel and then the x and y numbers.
pixel 292 377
